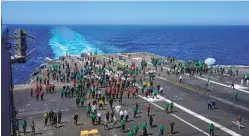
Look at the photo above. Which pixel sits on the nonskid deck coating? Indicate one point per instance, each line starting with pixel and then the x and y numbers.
pixel 22 94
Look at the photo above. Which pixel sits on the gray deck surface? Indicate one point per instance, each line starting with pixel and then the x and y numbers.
pixel 190 94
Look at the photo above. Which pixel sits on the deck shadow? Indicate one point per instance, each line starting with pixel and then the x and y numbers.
pixel 172 112
pixel 176 132
pixel 153 126
pixel 118 127
pixel 138 117
pixel 61 126
pixel 63 122
pixel 79 124
pixel 39 133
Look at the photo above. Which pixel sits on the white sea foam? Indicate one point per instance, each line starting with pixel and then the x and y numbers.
pixel 64 40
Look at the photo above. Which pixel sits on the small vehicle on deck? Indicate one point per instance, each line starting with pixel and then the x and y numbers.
pixel 92 132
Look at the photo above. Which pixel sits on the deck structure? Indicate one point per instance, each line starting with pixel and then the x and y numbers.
pixel 190 113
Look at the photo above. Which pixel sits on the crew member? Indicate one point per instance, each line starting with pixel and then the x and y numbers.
pixel 76 117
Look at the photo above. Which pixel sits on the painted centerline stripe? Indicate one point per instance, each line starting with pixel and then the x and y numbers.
pixel 230 132
pixel 214 97
pixel 229 86
pixel 177 117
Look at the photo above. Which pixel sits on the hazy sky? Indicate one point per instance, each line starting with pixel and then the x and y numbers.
pixel 168 13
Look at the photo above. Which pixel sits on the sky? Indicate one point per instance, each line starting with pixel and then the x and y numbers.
pixel 128 12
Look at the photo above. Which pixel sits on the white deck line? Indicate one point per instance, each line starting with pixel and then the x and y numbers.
pixel 217 98
pixel 162 98
pixel 230 132
pixel 229 103
pixel 200 78
pixel 222 84
pixel 237 124
pixel 177 117
pixel 198 116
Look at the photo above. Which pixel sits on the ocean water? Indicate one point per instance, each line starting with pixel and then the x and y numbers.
pixel 227 44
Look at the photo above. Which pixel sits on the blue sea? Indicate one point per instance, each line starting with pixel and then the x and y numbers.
pixel 227 44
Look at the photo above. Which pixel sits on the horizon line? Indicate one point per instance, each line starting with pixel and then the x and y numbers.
pixel 136 24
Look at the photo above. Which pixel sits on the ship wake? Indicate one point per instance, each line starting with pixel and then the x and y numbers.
pixel 64 40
